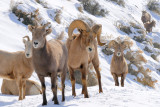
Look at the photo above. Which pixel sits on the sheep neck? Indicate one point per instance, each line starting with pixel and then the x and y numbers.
pixel 27 61
pixel 41 54
pixel 118 59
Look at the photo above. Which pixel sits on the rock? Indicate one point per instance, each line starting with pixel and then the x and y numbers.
pixel 91 78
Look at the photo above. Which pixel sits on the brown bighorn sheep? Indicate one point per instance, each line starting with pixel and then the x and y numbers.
pixel 17 66
pixel 49 59
pixel 149 26
pixel 9 87
pixel 82 50
pixel 146 17
pixel 119 67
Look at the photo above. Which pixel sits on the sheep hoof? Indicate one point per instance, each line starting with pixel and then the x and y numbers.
pixel 100 91
pixel 56 102
pixel 20 99
pixel 53 99
pixel 86 96
pixel 44 103
pixel 63 100
pixel 74 95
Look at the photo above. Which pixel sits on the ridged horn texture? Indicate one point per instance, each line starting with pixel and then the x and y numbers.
pixel 77 24
pixel 112 43
pixel 98 29
pixel 27 38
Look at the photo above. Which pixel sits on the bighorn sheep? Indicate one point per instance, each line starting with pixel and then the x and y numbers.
pixel 17 66
pixel 9 87
pixel 49 59
pixel 82 50
pixel 149 26
pixel 146 17
pixel 119 67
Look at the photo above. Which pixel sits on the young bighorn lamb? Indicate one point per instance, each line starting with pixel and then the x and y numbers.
pixel 82 50
pixel 146 17
pixel 119 67
pixel 49 59
pixel 149 26
pixel 17 66
pixel 9 87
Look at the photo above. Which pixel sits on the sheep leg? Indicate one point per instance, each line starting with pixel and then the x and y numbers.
pixel 24 88
pixel 42 80
pixel 54 87
pixel 122 79
pixel 82 90
pixel 96 67
pixel 115 79
pixel 63 77
pixel 84 82
pixel 71 71
pixel 19 84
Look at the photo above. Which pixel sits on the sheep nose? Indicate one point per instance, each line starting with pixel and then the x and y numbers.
pixel 90 49
pixel 27 54
pixel 118 54
pixel 35 43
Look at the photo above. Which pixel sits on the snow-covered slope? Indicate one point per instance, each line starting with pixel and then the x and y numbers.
pixel 133 94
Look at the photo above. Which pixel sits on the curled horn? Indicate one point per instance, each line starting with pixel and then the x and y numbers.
pixel 112 43
pixel 98 29
pixel 127 44
pixel 27 38
pixel 77 24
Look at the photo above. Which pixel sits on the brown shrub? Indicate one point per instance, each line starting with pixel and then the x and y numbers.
pixel 57 17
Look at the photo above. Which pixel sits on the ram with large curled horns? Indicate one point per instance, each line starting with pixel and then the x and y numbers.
pixel 119 67
pixel 82 50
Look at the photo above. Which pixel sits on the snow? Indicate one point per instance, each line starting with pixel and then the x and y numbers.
pixel 133 94
pixel 134 67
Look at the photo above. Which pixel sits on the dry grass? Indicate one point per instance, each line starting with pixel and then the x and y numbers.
pixel 134 25
pixel 136 58
pixel 154 5
pixel 57 17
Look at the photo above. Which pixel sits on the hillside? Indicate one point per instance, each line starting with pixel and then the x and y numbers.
pixel 115 19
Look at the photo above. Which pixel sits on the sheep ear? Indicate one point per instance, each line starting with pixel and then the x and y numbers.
pixel 24 41
pixel 97 29
pixel 30 27
pixel 48 31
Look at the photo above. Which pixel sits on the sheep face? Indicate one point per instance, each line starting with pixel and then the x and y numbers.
pixel 28 47
pixel 87 34
pixel 87 39
pixel 118 47
pixel 38 35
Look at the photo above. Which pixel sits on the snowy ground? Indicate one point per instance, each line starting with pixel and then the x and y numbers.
pixel 133 94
